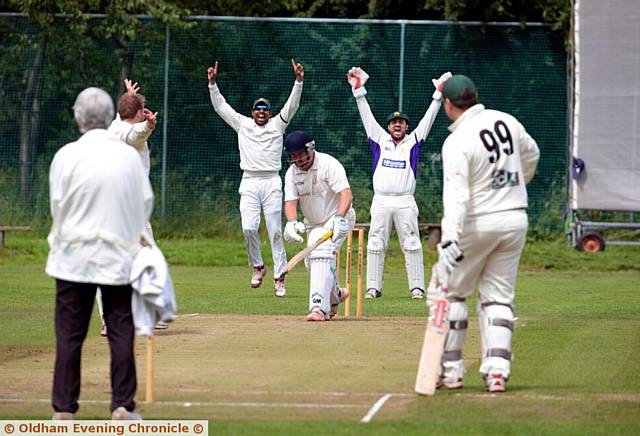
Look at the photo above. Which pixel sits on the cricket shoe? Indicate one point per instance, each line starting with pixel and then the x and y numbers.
pixel 161 325
pixel 317 315
pixel 344 294
pixel 450 383
pixel 373 293
pixel 258 274
pixel 122 414
pixel 281 291
pixel 103 332
pixel 417 294
pixel 495 383
pixel 63 416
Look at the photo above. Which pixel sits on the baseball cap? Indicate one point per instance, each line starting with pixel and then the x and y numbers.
pixel 397 114
pixel 262 102
pixel 459 87
pixel 298 141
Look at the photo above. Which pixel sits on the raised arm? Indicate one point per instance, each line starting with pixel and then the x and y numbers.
pixel 424 126
pixel 357 77
pixel 220 105
pixel 293 102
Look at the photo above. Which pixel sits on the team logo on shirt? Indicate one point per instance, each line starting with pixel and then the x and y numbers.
pixel 502 179
pixel 390 163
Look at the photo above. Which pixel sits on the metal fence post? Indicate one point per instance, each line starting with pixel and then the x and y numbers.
pixel 165 118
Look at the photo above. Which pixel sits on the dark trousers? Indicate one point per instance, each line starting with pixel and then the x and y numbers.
pixel 74 303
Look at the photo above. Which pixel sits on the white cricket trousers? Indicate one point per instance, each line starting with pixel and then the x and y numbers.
pixel 262 191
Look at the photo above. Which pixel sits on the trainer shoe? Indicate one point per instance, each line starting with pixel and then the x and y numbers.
pixel 161 325
pixel 317 315
pixel 281 291
pixel 103 332
pixel 63 416
pixel 344 294
pixel 373 293
pixel 449 383
pixel 122 414
pixel 258 274
pixel 417 294
pixel 495 383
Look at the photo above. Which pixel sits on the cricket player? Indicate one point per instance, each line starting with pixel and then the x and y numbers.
pixel 101 200
pixel 133 125
pixel 319 183
pixel 260 145
pixel 395 168
pixel 488 159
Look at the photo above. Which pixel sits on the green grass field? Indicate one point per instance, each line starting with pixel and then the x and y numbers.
pixel 248 362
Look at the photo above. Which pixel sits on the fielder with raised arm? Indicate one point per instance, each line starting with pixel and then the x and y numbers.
pixel 260 145
pixel 488 158
pixel 319 183
pixel 395 168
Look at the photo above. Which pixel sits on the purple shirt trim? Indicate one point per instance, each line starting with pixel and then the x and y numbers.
pixel 414 156
pixel 376 151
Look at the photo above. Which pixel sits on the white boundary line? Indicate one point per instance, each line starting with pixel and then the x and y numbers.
pixel 375 408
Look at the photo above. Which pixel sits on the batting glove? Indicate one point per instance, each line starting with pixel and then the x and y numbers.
pixel 450 255
pixel 357 77
pixel 340 228
pixel 292 230
pixel 439 85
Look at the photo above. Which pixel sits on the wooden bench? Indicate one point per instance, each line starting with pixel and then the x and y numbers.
pixel 433 232
pixel 4 229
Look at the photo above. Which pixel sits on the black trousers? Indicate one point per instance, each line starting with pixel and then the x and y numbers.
pixel 74 303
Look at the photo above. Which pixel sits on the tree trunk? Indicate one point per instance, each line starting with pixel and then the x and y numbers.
pixel 30 115
pixel 125 67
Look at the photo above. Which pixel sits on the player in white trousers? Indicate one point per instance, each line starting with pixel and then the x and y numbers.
pixel 133 125
pixel 260 146
pixel 318 182
pixel 395 168
pixel 488 159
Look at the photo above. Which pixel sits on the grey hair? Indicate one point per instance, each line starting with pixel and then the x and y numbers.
pixel 93 109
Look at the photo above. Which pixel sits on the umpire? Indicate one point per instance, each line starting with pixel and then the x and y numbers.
pixel 100 201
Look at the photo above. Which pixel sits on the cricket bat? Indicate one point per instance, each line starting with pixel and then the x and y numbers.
pixel 433 345
pixel 304 253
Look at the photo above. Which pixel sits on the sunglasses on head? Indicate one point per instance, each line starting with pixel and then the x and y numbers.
pixel 262 107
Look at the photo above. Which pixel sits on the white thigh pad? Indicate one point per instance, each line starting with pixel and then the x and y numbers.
pixel 496 329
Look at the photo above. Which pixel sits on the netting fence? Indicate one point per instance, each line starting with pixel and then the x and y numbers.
pixel 195 163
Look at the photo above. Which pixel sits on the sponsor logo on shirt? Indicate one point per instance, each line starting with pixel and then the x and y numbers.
pixel 387 148
pixel 503 179
pixel 390 163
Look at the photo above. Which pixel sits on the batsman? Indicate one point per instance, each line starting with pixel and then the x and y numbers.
pixel 487 160
pixel 319 183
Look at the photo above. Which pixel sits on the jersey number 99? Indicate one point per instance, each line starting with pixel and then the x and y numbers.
pixel 493 144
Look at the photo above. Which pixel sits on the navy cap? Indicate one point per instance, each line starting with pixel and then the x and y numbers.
pixel 262 102
pixel 298 141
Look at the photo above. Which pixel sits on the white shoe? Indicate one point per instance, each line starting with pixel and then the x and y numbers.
pixel 161 325
pixel 63 416
pixel 373 293
pixel 281 291
pixel 122 414
pixel 103 332
pixel 417 294
pixel 317 315
pixel 258 275
pixel 495 383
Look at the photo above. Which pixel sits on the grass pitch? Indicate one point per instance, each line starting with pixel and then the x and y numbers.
pixel 248 363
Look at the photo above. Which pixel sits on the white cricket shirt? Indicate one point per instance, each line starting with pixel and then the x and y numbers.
pixel 135 135
pixel 100 200
pixel 487 161
pixel 260 146
pixel 316 189
pixel 395 166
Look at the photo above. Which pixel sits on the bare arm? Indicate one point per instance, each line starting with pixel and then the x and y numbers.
pixel 291 210
pixel 346 198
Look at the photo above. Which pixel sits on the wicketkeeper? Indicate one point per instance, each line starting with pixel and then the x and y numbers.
pixel 260 145
pixel 319 183
pixel 488 158
pixel 395 168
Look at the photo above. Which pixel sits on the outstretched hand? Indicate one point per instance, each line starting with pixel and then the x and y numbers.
pixel 299 70
pixel 357 77
pixel 151 117
pixel 212 73
pixel 132 88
